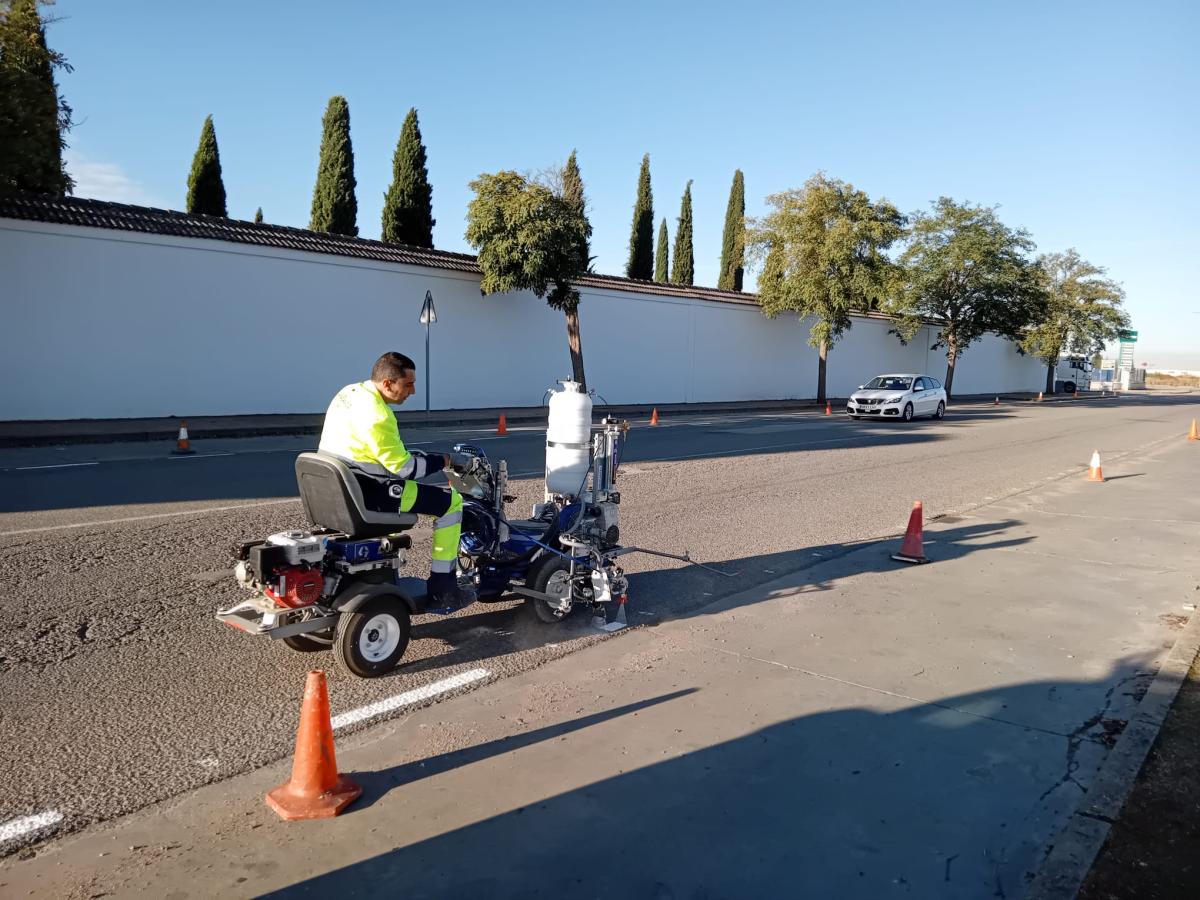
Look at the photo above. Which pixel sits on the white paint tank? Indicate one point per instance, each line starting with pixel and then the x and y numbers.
pixel 568 440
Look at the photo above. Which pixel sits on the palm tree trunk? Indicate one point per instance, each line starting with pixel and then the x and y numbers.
pixel 575 342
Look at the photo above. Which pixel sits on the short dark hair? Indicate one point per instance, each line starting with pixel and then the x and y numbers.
pixel 391 367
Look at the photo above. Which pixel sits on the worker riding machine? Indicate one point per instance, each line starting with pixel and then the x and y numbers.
pixel 338 585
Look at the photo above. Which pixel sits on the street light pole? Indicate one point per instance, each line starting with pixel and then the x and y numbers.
pixel 428 317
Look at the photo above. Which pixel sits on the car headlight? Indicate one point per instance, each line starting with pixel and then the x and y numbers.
pixel 894 399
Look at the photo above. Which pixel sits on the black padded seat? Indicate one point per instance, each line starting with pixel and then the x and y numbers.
pixel 532 527
pixel 333 499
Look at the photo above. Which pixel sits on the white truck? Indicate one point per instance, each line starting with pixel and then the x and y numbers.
pixel 1071 374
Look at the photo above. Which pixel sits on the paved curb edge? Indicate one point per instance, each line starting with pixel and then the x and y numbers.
pixel 1070 857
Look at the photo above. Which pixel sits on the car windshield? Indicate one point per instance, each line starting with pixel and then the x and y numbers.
pixel 889 383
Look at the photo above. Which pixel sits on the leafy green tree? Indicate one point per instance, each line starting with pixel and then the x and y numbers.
pixel 733 240
pixel 530 238
pixel 968 271
pixel 572 193
pixel 825 257
pixel 206 190
pixel 683 263
pixel 33 115
pixel 1083 311
pixel 408 203
pixel 660 255
pixel 258 216
pixel 641 239
pixel 334 207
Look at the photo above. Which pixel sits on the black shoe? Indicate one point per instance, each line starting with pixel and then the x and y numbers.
pixel 445 593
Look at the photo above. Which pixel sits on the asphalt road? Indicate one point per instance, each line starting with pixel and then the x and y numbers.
pixel 120 689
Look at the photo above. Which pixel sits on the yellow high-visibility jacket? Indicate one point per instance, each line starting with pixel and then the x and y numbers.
pixel 361 430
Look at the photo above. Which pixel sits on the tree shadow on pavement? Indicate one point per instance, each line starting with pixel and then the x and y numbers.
pixel 954 797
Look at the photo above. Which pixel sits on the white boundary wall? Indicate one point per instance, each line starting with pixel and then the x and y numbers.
pixel 101 323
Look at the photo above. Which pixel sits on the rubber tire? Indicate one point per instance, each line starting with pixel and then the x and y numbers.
pixel 349 627
pixel 941 411
pixel 302 643
pixel 908 412
pixel 537 579
pixel 1070 387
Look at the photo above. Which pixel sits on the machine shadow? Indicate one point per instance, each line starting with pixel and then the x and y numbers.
pixel 688 591
pixel 955 797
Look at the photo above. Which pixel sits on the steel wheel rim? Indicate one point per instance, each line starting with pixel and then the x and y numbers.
pixel 379 638
pixel 558 586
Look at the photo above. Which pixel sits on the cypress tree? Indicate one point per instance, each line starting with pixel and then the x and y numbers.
pixel 660 255
pixel 334 208
pixel 258 216
pixel 641 239
pixel 573 194
pixel 683 269
pixel 33 117
pixel 733 241
pixel 206 191
pixel 408 203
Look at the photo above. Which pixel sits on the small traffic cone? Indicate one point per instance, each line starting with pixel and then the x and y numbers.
pixel 1039 399
pixel 912 550
pixel 182 447
pixel 316 790
pixel 654 416
pixel 828 408
pixel 1194 435
pixel 502 428
pixel 997 403
pixel 1076 393
pixel 620 621
pixel 1094 473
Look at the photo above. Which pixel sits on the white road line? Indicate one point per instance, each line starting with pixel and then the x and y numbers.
pixel 15 828
pixel 371 710
pixel 58 466
pixel 167 515
pixel 200 455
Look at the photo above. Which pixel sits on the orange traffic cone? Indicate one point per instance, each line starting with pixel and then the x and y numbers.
pixel 1076 393
pixel 997 403
pixel 316 790
pixel 1094 473
pixel 1039 396
pixel 502 428
pixel 182 447
pixel 912 550
pixel 828 408
pixel 654 416
pixel 1194 435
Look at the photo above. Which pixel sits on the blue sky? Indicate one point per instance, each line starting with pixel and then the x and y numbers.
pixel 1078 119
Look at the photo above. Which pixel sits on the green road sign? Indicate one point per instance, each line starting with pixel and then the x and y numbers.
pixel 1129 337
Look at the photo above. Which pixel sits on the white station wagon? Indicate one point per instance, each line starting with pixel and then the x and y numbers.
pixel 898 397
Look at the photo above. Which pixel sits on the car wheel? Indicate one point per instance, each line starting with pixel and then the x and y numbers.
pixel 941 411
pixel 908 412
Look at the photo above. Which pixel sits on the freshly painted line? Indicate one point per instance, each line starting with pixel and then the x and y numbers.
pixel 371 710
pixel 182 512
pixel 15 828
pixel 201 456
pixel 58 466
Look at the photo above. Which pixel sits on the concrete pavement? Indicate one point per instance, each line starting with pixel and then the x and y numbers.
pixel 854 729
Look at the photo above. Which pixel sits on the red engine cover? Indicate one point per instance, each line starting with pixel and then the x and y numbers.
pixel 297 587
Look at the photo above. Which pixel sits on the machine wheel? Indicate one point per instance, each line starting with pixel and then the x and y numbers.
pixel 1070 387
pixel 550 575
pixel 941 411
pixel 310 643
pixel 370 641
pixel 908 412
